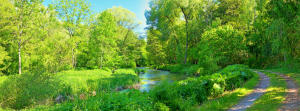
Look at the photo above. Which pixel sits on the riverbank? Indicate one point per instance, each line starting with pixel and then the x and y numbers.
pixel 96 89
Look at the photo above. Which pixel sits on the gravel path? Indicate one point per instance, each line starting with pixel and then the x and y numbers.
pixel 292 100
pixel 259 90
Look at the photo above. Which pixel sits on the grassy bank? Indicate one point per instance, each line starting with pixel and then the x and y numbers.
pixel 98 90
pixel 89 80
pixel 229 98
pixel 187 69
pixel 32 89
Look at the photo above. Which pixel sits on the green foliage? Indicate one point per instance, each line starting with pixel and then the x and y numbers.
pixel 102 46
pixel 113 43
pixel 182 95
pixel 79 80
pixel 236 75
pixel 125 71
pixel 129 101
pixel 204 35
pixel 229 99
pixel 20 91
pixel 3 56
pixel 140 70
pixel 226 45
pixel 27 90
pixel 191 70
pixel 98 80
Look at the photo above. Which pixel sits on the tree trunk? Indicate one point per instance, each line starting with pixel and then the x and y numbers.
pixel 73 58
pixel 101 60
pixel 187 35
pixel 187 43
pixel 20 58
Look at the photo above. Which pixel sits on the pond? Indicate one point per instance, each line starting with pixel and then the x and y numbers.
pixel 152 77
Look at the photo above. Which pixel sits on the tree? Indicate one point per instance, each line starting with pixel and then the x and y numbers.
pixel 3 56
pixel 189 11
pixel 73 14
pixel 102 43
pixel 154 47
pixel 6 29
pixel 27 15
pixel 226 43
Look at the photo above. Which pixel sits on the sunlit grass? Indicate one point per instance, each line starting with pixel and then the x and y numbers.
pixel 78 79
pixel 274 96
pixel 229 98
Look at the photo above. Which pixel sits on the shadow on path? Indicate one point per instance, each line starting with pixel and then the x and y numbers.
pixel 292 100
pixel 259 90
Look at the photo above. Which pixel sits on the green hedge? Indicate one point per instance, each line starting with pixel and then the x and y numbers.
pixel 184 94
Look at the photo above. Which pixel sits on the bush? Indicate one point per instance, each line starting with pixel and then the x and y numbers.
pixel 182 95
pixel 20 91
pixel 195 70
pixel 225 44
pixel 236 75
pixel 140 70
pixel 130 101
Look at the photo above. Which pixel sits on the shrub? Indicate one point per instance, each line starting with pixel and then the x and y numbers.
pixel 182 95
pixel 20 91
pixel 195 70
pixel 129 101
pixel 224 43
pixel 236 75
pixel 140 70
pixel 218 84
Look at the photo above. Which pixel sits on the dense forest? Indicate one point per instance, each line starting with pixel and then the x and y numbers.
pixel 214 34
pixel 64 56
pixel 66 35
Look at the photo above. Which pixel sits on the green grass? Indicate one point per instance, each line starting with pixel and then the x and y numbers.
pixel 33 89
pixel 83 81
pixel 78 80
pixel 229 98
pixel 274 97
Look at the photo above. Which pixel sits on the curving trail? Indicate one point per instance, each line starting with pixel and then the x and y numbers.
pixel 259 90
pixel 292 99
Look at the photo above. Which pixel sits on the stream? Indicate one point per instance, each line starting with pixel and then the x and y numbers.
pixel 152 77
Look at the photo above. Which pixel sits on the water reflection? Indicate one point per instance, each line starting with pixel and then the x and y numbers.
pixel 152 77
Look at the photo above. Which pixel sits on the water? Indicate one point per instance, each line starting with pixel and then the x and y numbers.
pixel 152 77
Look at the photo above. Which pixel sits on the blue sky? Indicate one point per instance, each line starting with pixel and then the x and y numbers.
pixel 136 6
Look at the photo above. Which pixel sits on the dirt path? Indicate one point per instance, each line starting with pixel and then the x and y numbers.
pixel 259 90
pixel 292 99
